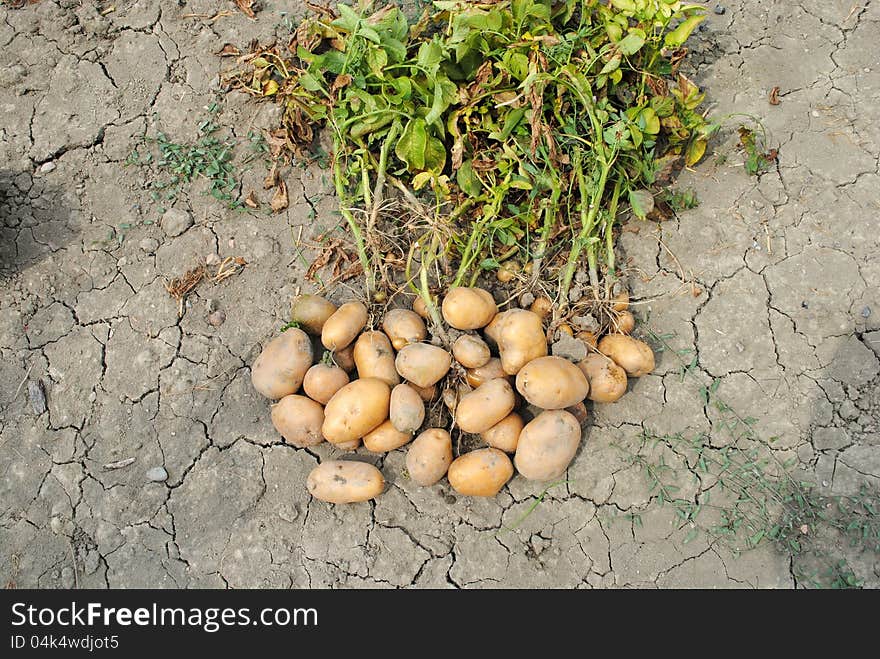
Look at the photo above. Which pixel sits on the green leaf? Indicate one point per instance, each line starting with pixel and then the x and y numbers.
pixel 650 120
pixel 445 94
pixel 611 65
pixel 429 57
pixel 348 19
pixel 680 34
pixel 377 60
pixel 517 64
pixel 642 202
pixel 695 151
pixel 467 179
pixel 631 43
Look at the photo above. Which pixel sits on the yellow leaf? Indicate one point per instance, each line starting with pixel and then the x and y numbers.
pixel 695 151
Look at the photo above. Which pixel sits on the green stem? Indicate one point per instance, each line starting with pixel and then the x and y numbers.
pixel 339 183
pixel 609 238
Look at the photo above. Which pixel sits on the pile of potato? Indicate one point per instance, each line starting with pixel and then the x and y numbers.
pixel 372 385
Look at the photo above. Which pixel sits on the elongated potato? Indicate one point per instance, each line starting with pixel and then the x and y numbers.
pixel 429 456
pixel 355 410
pixel 427 394
pixel 407 411
pixel 607 380
pixel 469 308
pixel 280 368
pixel 311 312
pixel 480 473
pixel 552 383
pixel 322 381
pixel 485 406
pixel 344 358
pixel 385 438
pixel 521 339
pixel 633 356
pixel 547 445
pixel 345 481
pixel 374 358
pixel 471 351
pixel 423 364
pixel 298 419
pixel 344 325
pixel 489 371
pixel 404 327
pixel 504 435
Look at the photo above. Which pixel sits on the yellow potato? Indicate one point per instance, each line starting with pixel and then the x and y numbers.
pixel 298 419
pixel 322 381
pixel 345 481
pixel 429 456
pixel 374 358
pixel 480 473
pixel 633 356
pixel 552 383
pixel 492 331
pixel 423 364
pixel 385 438
pixel 589 338
pixel 280 368
pixel 403 327
pixel 621 301
pixel 344 325
pixel 353 445
pixel 471 351
pixel 427 394
pixel 485 406
pixel 311 312
pixel 489 371
pixel 541 307
pixel 407 411
pixel 521 339
pixel 344 358
pixel 355 410
pixel 504 435
pixel 421 308
pixel 626 322
pixel 469 308
pixel 607 380
pixel 453 394
pixel 547 445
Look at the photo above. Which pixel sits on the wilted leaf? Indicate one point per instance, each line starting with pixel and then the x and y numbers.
pixel 246 7
pixel 695 151
pixel 774 96
pixel 229 50
pixel 279 199
pixel 251 200
pixel 642 202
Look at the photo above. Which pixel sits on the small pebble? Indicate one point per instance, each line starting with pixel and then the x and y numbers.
pixel 866 312
pixel 47 167
pixel 37 396
pixel 526 300
pixel 149 245
pixel 175 221
pixel 720 9
pixel 211 305
pixel 216 319
pixel 157 474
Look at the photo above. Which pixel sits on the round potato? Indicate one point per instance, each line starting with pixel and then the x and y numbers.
pixel 344 325
pixel 322 381
pixel 607 380
pixel 311 312
pixel 407 411
pixel 521 339
pixel 541 307
pixel 374 358
pixel 427 394
pixel 504 435
pixel 404 327
pixel 471 351
pixel 344 358
pixel 489 371
pixel 547 445
pixel 626 322
pixel 355 410
pixel 385 438
pixel 480 473
pixel 429 456
pixel 552 383
pixel 589 337
pixel 469 308
pixel 423 364
pixel 298 419
pixel 633 356
pixel 421 308
pixel 621 301
pixel 280 368
pixel 485 406
pixel 345 481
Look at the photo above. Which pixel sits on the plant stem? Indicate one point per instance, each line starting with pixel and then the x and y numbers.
pixel 339 183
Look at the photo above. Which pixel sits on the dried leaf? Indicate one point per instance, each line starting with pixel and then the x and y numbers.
pixel 229 50
pixel 271 177
pixel 251 200
pixel 774 96
pixel 119 464
pixel 246 7
pixel 279 199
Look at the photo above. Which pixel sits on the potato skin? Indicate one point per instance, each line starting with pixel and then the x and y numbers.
pixel 322 381
pixel 421 308
pixel 469 308
pixel 626 322
pixel 423 364
pixel 403 327
pixel 374 358
pixel 504 435
pixel 345 481
pixel 427 394
pixel 344 358
pixel 552 383
pixel 579 412
pixel 480 473
pixel 407 410
pixel 521 339
pixel 353 445
pixel 485 406
pixel 547 445
pixel 385 438
pixel 344 325
pixel 589 337
pixel 541 306
pixel 492 331
pixel 355 410
pixel 279 370
pixel 633 356
pixel 621 301
pixel 489 371
pixel 471 351
pixel 298 419
pixel 311 312
pixel 429 456
pixel 607 380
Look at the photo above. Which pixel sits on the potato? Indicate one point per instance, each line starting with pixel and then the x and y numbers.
pixel 589 338
pixel 552 383
pixel 280 368
pixel 492 331
pixel 480 473
pixel 626 322
pixel 423 364
pixel 541 307
pixel 344 358
pixel 427 394
pixel 322 381
pixel 407 411
pixel 469 308
pixel 403 327
pixel 353 445
pixel 311 312
pixel 345 481
pixel 471 351
pixel 507 271
pixel 374 358
pixel 421 308
pixel 344 325
pixel 429 456
pixel 607 380
pixel 621 301
pixel 547 445
pixel 489 371
pixel 564 328
pixel 298 419
pixel 504 435
pixel 521 339
pixel 385 438
pixel 579 412
pixel 452 395
pixel 356 409
pixel 633 356
pixel 485 406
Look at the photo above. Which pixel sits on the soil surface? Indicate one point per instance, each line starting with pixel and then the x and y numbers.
pixel 135 453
